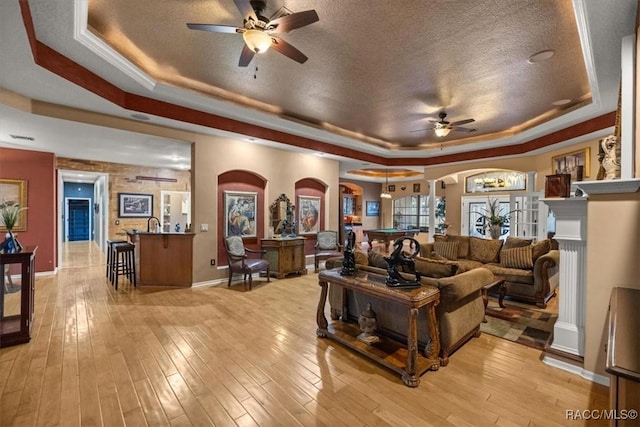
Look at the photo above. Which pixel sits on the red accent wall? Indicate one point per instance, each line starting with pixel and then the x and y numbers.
pixel 238 180
pixel 313 188
pixel 38 169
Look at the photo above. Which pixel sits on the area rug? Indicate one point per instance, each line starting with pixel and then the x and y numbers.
pixel 521 323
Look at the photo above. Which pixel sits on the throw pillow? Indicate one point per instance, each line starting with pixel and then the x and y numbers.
pixel 540 248
pixel 484 250
pixel 376 259
pixel 463 244
pixel 515 242
pixel 449 250
pixel 517 257
pixel 436 269
pixel 440 238
pixel 361 258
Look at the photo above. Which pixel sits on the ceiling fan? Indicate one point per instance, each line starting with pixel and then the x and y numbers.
pixel 442 127
pixel 260 33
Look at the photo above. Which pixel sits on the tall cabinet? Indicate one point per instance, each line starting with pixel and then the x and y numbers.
pixel 17 289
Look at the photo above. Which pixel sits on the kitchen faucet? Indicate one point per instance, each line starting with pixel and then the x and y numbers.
pixel 149 223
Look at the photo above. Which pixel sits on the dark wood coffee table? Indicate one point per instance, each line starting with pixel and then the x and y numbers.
pixel 403 359
pixel 485 294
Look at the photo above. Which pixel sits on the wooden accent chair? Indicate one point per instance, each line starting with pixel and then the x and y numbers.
pixel 326 247
pixel 239 261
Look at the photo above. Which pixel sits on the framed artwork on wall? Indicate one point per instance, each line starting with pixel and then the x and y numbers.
pixel 416 188
pixel 12 192
pixel 308 214
pixel 132 205
pixel 240 212
pixel 391 188
pixel 373 208
pixel 576 164
pixel 501 180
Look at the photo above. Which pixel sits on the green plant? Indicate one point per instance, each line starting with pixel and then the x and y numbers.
pixel 492 216
pixel 10 212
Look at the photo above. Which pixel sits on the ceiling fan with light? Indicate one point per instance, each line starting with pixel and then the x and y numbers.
pixel 442 127
pixel 260 33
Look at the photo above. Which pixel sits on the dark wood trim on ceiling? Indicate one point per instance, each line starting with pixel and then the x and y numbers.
pixel 62 66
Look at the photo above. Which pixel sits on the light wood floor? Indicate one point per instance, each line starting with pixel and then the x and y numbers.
pixel 219 356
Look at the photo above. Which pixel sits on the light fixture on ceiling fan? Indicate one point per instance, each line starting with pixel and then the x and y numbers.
pixel 385 191
pixel 441 131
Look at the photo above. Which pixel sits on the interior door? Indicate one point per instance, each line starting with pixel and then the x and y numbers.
pixel 78 220
pixel 473 208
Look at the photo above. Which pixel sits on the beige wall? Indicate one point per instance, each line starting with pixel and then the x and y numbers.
pixel 281 169
pixel 613 257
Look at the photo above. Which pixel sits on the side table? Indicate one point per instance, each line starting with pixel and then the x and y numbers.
pixel 485 294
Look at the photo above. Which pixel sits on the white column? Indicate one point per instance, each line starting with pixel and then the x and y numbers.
pixel 571 234
pixel 627 116
pixel 432 208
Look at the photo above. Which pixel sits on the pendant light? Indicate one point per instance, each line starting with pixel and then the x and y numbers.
pixel 385 191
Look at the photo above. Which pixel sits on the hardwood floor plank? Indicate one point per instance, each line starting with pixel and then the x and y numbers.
pixel 219 356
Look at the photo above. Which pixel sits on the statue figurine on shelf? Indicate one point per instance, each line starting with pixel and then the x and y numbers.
pixel 368 325
pixel 399 258
pixel 609 157
pixel 349 260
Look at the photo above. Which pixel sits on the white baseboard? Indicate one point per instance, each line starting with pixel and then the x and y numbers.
pixel 588 375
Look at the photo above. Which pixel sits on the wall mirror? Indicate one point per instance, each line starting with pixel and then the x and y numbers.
pixel 281 215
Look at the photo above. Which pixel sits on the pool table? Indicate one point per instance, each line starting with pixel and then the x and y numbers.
pixel 387 235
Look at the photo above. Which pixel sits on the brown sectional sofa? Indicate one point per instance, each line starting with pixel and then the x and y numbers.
pixel 459 312
pixel 530 269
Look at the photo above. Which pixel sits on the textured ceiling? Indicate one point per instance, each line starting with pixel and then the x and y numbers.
pixel 376 69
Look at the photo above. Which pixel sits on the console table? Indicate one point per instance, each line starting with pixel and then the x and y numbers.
pixel 16 305
pixel 405 360
pixel 285 255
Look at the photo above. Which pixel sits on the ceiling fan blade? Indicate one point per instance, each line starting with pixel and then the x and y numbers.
pixel 421 130
pixel 288 50
pixel 458 129
pixel 245 8
pixel 291 22
pixel 216 28
pixel 462 122
pixel 245 56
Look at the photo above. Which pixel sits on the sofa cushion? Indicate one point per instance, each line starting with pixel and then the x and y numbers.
pixel 376 259
pixel 448 250
pixel 361 258
pixel 434 268
pixel 540 248
pixel 519 257
pixel 484 250
pixel 467 264
pixel 463 243
pixel 515 242
pixel 513 275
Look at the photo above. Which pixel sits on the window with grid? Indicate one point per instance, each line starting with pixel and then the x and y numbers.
pixel 412 212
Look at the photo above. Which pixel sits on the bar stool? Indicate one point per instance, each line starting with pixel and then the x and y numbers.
pixel 110 244
pixel 123 263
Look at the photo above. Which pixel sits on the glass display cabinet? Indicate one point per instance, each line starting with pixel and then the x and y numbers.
pixel 17 288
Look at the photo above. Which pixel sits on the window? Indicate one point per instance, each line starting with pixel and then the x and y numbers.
pixel 412 212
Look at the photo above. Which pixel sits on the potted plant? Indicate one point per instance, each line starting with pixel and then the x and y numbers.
pixel 9 213
pixel 493 219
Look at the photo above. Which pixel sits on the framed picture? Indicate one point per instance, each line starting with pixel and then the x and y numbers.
pixel 502 180
pixel 240 213
pixel 373 208
pixel 308 214
pixel 131 205
pixel 391 188
pixel 14 191
pixel 416 188
pixel 576 163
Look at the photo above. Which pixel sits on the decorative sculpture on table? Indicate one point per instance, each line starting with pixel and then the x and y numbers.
pixel 368 325
pixel 349 260
pixel 610 157
pixel 400 258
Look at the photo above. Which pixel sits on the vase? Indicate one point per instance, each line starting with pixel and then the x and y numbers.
pixel 495 230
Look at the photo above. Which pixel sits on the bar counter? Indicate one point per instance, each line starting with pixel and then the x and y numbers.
pixel 163 259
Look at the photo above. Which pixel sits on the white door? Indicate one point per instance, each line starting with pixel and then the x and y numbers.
pixel 531 221
pixel 473 207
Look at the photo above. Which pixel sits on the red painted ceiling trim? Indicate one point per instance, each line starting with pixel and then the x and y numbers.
pixel 64 67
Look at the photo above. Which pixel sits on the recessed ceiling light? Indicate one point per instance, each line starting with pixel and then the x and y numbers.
pixel 540 56
pixel 561 102
pixel 139 116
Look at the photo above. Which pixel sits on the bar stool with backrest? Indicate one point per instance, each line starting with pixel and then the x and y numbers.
pixel 110 244
pixel 123 263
